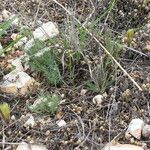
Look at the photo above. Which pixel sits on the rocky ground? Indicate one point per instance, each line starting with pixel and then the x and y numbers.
pixel 82 120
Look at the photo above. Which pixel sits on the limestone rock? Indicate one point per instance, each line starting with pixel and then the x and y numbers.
pixel 30 122
pixel 6 14
pixel 46 31
pixel 17 64
pixel 25 146
pixel 122 147
pixel 97 100
pixel 61 123
pixel 17 83
pixel 146 131
pixel 135 128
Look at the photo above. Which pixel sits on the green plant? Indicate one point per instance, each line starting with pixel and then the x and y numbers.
pixel 46 104
pixel 129 36
pixel 3 27
pixel 91 86
pixel 43 60
pixel 74 42
pixel 5 112
pixel 103 73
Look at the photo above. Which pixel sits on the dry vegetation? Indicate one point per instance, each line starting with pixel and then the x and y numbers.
pixel 84 70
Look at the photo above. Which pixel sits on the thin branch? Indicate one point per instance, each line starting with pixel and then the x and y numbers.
pixel 134 50
pixel 35 18
pixel 101 45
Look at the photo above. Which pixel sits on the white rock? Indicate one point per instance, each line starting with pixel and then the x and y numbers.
pixel 14 36
pixel 6 14
pixel 30 122
pixel 46 31
pixel 17 83
pixel 146 131
pixel 122 147
pixel 83 92
pixel 13 117
pixel 61 123
pixel 97 100
pixel 17 64
pixel 135 128
pixel 25 146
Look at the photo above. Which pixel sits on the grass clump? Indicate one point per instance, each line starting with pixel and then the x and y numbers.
pixel 103 74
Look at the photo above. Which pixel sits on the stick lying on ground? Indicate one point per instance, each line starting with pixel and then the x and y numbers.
pixel 106 51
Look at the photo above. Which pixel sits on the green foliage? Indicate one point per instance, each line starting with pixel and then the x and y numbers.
pixel 129 36
pixel 103 74
pixel 6 25
pixel 43 60
pixel 91 86
pixel 82 39
pixel 5 112
pixel 73 52
pixel 3 27
pixel 46 104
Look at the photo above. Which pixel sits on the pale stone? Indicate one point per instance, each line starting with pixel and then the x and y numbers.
pixel 146 131
pixel 17 64
pixel 46 31
pixel 61 123
pixel 17 83
pixel 14 36
pixel 97 100
pixel 83 92
pixel 25 146
pixel 147 47
pixel 122 147
pixel 30 122
pixel 135 128
pixel 5 14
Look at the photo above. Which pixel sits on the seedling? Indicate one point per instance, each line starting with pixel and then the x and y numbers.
pixel 129 36
pixel 5 112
